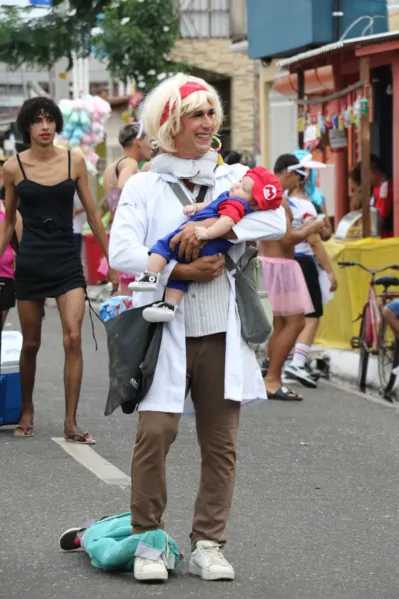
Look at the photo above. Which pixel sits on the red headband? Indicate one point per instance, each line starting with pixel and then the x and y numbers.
pixel 185 90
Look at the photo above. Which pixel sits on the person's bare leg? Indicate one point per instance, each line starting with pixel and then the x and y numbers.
pixel 272 344
pixel 71 307
pixel 286 331
pixel 156 263
pixel 173 296
pixel 390 318
pixel 304 342
pixel 30 316
pixel 309 331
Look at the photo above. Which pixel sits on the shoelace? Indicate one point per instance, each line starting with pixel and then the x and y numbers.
pixel 214 552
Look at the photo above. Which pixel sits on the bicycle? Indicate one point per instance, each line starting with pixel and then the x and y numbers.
pixel 375 336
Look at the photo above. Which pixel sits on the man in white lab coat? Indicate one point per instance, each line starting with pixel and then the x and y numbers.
pixel 202 351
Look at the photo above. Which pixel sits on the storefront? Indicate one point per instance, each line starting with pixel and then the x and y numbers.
pixel 355 113
pixel 347 111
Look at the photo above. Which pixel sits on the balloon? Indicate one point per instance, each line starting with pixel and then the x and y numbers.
pixel 74 117
pixel 86 138
pixel 84 126
pixel 84 118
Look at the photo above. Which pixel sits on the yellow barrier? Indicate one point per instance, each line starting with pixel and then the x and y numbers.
pixel 336 326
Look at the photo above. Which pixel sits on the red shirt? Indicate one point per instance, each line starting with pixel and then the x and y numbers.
pixel 383 202
pixel 232 208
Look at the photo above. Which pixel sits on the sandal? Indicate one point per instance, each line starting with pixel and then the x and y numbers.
pixel 81 439
pixel 284 394
pixel 27 431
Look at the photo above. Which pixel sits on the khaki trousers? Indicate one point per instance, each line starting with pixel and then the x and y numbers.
pixel 217 422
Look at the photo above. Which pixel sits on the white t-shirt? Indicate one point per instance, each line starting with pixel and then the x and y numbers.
pixel 302 210
pixel 80 219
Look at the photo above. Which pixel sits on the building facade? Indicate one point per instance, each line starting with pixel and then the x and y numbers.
pixel 206 29
pixel 277 99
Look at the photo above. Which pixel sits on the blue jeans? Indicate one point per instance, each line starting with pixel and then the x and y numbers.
pixel 394 307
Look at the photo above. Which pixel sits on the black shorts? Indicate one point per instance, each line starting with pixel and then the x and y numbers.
pixel 7 293
pixel 311 275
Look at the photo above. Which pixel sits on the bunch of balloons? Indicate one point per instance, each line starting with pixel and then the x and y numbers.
pixel 84 126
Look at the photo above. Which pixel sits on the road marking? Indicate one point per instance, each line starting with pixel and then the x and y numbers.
pixel 90 459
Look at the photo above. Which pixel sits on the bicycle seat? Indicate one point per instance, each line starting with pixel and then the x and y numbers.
pixel 387 281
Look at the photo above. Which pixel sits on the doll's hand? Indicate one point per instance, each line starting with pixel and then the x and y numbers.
pixel 201 233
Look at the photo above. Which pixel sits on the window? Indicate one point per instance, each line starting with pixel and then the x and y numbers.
pixel 6 90
pixel 205 18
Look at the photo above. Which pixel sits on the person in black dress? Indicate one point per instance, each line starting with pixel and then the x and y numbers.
pixel 41 183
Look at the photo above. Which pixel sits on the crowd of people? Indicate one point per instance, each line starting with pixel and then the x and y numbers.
pixel 203 361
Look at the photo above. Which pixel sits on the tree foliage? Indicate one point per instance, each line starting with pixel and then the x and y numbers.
pixel 36 41
pixel 133 37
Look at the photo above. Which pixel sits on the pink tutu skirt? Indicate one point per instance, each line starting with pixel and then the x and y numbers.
pixel 286 287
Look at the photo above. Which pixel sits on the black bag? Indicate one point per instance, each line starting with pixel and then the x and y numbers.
pixel 133 348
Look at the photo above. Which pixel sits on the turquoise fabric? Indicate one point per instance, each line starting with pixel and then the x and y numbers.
pixel 111 546
pixel 314 192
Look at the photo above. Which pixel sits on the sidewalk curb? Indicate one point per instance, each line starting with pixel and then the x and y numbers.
pixel 344 365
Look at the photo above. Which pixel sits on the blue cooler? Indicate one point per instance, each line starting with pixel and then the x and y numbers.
pixel 10 380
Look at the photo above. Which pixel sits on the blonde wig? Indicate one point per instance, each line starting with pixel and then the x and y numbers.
pixel 163 107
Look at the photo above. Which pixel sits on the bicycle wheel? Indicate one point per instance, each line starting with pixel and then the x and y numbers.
pixel 388 359
pixel 363 350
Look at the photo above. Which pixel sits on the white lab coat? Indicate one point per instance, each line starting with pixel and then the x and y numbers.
pixel 147 211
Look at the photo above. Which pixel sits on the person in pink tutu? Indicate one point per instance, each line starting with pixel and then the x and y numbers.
pixel 284 281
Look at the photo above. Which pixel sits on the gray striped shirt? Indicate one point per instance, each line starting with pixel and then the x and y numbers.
pixel 206 304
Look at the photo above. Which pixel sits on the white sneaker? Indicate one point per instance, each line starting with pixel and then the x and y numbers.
pixel 149 569
pixel 147 281
pixel 160 312
pixel 208 562
pixel 302 375
pixel 287 379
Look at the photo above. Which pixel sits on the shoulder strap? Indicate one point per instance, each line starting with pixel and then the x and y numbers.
pixel 69 164
pixel 230 264
pixel 20 166
pixel 117 167
pixel 182 197
pixel 202 193
pixel 249 254
pixel 179 193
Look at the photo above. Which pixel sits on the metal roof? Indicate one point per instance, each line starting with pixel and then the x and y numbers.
pixel 368 39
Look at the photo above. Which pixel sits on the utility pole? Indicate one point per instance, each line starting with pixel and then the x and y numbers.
pixel 337 16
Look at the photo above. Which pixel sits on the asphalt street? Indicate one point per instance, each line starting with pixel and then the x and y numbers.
pixel 315 513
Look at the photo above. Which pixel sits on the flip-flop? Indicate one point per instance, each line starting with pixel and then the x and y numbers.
pixel 27 431
pixel 284 394
pixel 85 439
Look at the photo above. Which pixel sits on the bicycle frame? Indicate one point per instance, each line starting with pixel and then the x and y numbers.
pixel 374 321
pixel 369 339
pixel 372 308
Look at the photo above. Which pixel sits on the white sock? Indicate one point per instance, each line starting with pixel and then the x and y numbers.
pixel 290 356
pixel 300 355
